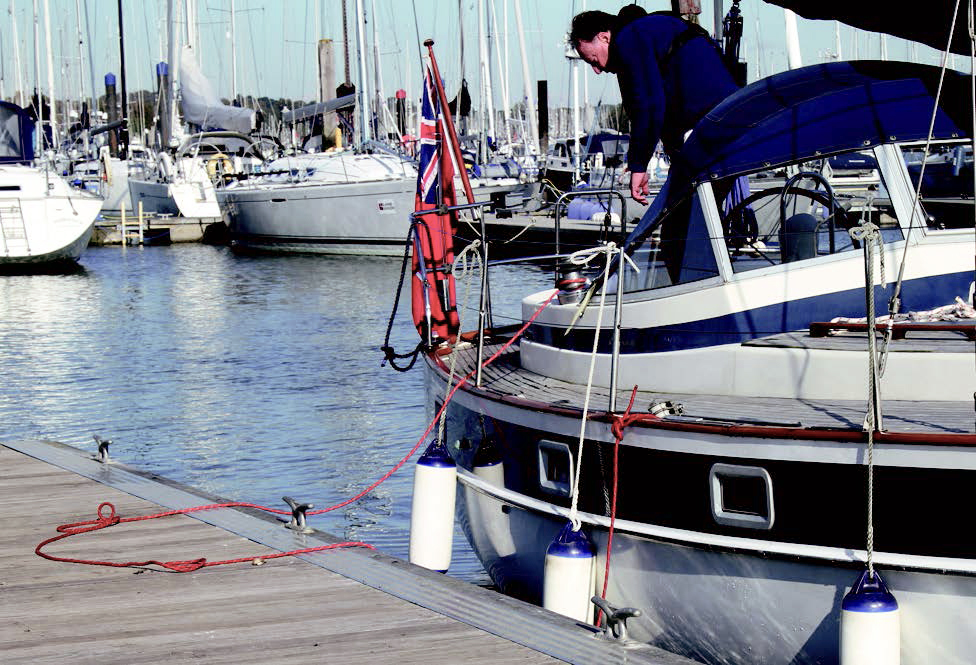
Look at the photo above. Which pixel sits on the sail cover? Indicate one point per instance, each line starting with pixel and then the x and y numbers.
pixel 929 24
pixel 16 135
pixel 201 105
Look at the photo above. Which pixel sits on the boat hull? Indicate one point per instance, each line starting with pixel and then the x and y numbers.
pixel 329 218
pixel 185 199
pixel 720 606
pixel 721 594
pixel 45 222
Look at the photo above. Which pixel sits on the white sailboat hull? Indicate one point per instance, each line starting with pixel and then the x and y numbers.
pixel 326 213
pixel 42 219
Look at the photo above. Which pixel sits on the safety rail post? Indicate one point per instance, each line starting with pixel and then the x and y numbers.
pixel 483 300
pixel 560 203
pixel 617 315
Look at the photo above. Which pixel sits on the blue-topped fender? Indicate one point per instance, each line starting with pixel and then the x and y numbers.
pixel 869 595
pixel 436 455
pixel 571 544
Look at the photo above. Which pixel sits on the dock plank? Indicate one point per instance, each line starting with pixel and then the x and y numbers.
pixel 285 611
pixel 288 610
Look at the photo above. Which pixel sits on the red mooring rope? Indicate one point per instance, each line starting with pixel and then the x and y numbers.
pixel 620 423
pixel 103 520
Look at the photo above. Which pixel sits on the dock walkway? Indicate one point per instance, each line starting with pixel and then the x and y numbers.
pixel 324 607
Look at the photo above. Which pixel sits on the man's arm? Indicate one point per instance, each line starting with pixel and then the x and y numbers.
pixel 642 91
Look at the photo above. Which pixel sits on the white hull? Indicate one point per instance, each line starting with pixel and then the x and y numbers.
pixel 42 219
pixel 184 199
pixel 321 214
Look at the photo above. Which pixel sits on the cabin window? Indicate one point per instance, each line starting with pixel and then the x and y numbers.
pixel 741 496
pixel 680 251
pixel 946 173
pixel 555 468
pixel 775 217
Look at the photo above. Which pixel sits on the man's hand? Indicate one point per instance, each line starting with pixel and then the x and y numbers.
pixel 639 189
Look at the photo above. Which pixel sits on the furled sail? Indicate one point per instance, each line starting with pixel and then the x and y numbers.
pixel 201 105
pixel 929 24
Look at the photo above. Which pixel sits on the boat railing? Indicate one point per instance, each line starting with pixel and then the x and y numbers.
pixel 561 203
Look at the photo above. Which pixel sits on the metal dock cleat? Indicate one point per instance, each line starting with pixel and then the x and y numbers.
pixel 103 445
pixel 615 625
pixel 297 515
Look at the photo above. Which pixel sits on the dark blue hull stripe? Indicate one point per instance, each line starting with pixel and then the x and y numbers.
pixel 919 294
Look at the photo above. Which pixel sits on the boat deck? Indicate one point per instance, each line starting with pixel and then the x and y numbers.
pixel 505 378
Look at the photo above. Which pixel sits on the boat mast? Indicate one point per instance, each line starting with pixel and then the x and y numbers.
pixel 377 71
pixel 794 58
pixel 487 108
pixel 503 71
pixel 362 99
pixel 39 109
pixel 50 73
pixel 233 53
pixel 124 130
pixel 527 82
pixel 20 78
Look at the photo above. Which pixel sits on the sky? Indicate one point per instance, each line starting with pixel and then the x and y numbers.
pixel 275 42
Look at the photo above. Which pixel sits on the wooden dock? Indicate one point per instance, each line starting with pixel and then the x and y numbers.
pixel 336 606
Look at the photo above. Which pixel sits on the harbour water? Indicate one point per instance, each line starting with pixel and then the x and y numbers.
pixel 251 378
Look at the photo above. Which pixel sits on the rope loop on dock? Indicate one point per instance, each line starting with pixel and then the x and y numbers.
pixel 104 520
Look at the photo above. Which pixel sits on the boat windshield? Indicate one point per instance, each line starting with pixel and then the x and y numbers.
pixel 946 172
pixel 768 218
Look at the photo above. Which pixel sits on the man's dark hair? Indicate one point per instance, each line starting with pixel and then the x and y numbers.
pixel 629 13
pixel 586 26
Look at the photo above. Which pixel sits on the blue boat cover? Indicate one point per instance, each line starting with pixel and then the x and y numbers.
pixel 812 113
pixel 930 24
pixel 16 135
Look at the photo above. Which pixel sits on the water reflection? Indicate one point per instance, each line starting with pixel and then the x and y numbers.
pixel 249 377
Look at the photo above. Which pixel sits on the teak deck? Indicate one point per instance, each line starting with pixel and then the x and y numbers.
pixel 288 610
pixel 505 378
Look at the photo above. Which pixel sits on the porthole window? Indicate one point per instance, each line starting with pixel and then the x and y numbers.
pixel 555 468
pixel 742 496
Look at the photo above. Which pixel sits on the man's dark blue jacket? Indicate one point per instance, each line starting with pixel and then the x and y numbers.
pixel 668 81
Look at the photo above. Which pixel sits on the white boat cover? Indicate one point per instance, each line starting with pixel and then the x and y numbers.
pixel 201 105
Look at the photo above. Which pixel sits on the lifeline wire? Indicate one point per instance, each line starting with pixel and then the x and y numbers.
pixel 893 304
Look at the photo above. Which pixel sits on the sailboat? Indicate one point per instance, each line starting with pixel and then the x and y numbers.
pixel 44 222
pixel 746 436
pixel 348 201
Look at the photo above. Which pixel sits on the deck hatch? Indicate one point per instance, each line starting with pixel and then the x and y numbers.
pixel 741 496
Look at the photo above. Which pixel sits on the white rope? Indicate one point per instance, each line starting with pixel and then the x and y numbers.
pixel 869 234
pixel 583 257
pixel 460 269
